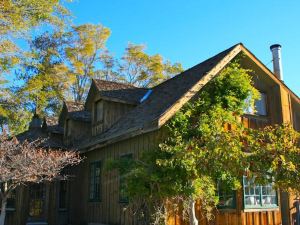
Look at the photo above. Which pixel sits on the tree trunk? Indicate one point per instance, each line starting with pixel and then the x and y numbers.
pixel 192 212
pixel 3 211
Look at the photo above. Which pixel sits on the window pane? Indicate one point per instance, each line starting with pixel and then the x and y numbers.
pixel 95 181
pixel 259 196
pixel 226 197
pixel 261 105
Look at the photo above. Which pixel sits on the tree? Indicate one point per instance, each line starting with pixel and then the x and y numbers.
pixel 44 74
pixel 207 144
pixel 28 162
pixel 21 15
pixel 84 54
pixel 17 18
pixel 140 69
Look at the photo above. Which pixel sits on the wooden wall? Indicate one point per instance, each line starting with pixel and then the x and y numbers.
pixel 109 210
pixel 237 216
pixel 112 111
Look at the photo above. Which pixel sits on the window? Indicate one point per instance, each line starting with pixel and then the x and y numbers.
pixel 37 197
pixel 260 106
pixel 95 181
pixel 98 111
pixel 11 201
pixel 259 196
pixel 227 198
pixel 123 195
pixel 63 190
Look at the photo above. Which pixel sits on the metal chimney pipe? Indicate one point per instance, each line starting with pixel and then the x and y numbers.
pixel 277 64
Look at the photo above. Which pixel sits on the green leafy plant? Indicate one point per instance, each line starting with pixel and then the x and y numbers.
pixel 206 143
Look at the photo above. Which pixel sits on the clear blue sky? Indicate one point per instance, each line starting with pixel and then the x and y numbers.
pixel 192 30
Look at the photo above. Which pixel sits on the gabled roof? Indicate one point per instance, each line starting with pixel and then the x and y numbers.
pixel 76 111
pixel 104 85
pixel 165 99
pixel 168 97
pixel 83 116
pixel 40 134
pixel 119 92
pixel 74 106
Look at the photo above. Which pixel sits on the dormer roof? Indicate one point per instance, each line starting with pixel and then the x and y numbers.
pixel 74 106
pixel 119 92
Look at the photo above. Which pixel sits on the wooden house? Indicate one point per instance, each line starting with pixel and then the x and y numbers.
pixel 120 120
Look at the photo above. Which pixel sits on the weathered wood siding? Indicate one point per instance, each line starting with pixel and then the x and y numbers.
pixel 112 111
pixel 237 216
pixel 109 210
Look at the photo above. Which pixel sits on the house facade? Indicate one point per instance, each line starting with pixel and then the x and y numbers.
pixel 120 120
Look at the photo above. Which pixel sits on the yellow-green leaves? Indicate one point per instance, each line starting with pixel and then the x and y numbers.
pixel 141 69
pixel 83 55
pixel 21 15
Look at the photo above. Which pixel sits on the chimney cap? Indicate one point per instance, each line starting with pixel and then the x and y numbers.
pixel 275 46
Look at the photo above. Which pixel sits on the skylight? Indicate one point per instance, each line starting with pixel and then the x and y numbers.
pixel 148 93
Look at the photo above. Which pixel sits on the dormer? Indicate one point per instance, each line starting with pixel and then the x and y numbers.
pixel 76 122
pixel 108 101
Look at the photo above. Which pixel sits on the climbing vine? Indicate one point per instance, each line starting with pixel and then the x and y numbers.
pixel 207 143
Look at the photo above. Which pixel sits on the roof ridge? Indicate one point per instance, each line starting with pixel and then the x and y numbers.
pixel 199 64
pixel 114 82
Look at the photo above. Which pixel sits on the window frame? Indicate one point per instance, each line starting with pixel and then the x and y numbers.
pixel 233 206
pixel 95 198
pixel 263 96
pixel 253 111
pixel 96 111
pixel 261 205
pixel 122 179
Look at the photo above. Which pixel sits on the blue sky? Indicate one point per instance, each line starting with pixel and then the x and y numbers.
pixel 192 30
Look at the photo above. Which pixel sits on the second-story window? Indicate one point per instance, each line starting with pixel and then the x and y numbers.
pixel 98 112
pixel 260 106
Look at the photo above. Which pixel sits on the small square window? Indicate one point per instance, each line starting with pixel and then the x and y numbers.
pixel 260 106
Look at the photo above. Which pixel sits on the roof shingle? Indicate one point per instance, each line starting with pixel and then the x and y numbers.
pixel 120 92
pixel 162 97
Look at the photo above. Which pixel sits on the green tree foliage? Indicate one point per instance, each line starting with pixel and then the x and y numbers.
pixel 140 69
pixel 21 15
pixel 44 74
pixel 206 143
pixel 84 53
pixel 17 19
